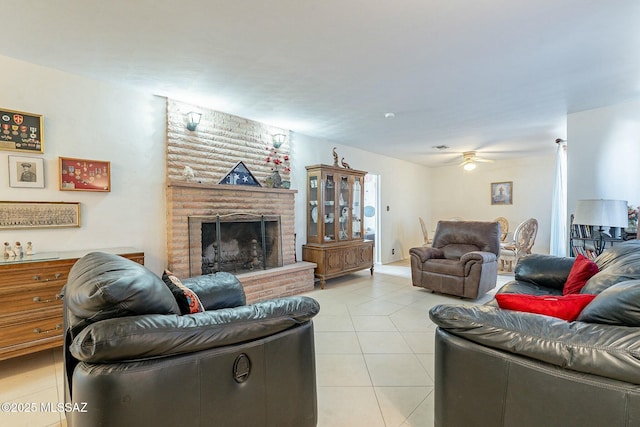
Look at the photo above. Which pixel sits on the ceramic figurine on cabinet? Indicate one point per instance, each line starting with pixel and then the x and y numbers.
pixel 17 249
pixel 8 252
pixel 29 250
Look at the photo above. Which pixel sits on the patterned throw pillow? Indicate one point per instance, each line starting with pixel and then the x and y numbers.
pixel 187 300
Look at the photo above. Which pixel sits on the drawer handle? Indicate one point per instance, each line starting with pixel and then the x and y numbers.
pixel 40 331
pixel 44 301
pixel 56 277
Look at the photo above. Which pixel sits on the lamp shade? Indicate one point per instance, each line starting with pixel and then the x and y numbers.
pixel 599 212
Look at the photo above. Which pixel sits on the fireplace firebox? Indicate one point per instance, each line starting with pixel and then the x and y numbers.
pixel 235 243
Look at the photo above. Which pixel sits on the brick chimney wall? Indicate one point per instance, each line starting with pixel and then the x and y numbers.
pixel 211 151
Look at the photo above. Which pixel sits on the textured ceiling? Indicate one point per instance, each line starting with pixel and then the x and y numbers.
pixel 496 76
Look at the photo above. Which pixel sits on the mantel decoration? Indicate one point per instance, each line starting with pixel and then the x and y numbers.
pixel 276 160
pixel 84 175
pixel 20 131
pixel 239 175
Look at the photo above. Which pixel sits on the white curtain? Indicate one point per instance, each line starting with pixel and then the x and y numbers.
pixel 558 241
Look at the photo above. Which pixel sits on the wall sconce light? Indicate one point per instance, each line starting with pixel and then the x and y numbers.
pixel 278 139
pixel 193 120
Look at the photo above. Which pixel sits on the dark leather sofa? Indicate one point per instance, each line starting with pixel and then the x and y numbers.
pixel 462 259
pixel 130 358
pixel 498 367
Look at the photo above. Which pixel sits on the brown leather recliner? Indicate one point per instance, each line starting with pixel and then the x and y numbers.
pixel 462 260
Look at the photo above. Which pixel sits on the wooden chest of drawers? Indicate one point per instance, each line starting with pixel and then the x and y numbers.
pixel 30 306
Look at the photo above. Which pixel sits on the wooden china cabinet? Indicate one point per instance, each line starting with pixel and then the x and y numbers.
pixel 335 230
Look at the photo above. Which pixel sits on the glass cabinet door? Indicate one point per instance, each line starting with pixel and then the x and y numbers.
pixel 329 208
pixel 356 226
pixel 343 208
pixel 312 220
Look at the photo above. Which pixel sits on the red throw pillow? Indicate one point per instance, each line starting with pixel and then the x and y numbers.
pixel 566 307
pixel 583 269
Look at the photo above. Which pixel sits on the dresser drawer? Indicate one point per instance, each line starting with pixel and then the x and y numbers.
pixel 23 298
pixel 31 276
pixel 26 332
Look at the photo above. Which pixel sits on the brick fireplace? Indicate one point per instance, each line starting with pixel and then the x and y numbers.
pixel 197 200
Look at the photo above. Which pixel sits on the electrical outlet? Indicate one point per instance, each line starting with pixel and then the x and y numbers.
pixel 393 251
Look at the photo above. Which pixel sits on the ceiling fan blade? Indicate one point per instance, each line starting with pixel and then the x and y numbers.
pixel 480 159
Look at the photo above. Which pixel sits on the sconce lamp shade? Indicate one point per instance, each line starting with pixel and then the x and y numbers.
pixel 605 213
pixel 278 139
pixel 193 120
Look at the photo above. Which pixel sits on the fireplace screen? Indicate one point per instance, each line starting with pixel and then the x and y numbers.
pixel 235 243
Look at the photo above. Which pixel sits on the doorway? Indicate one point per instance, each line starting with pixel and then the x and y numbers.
pixel 371 217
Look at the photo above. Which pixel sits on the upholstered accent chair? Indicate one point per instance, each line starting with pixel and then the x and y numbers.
pixel 462 259
pixel 523 239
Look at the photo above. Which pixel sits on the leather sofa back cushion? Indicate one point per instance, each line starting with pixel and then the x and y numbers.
pixel 102 286
pixel 582 270
pixel 619 263
pixel 617 305
pixel 544 270
pixel 136 337
pixel 566 307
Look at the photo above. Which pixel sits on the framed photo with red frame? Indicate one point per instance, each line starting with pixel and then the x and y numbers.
pixel 84 175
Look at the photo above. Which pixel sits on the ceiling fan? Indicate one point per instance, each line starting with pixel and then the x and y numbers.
pixel 470 159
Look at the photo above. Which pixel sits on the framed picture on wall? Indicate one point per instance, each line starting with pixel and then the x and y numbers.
pixel 15 215
pixel 502 193
pixel 84 175
pixel 26 172
pixel 20 131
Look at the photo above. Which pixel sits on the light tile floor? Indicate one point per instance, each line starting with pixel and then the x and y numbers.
pixel 374 356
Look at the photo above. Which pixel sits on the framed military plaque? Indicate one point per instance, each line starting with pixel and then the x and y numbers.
pixel 20 131
pixel 84 175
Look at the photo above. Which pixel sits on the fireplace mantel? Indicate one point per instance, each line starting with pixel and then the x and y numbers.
pixel 247 188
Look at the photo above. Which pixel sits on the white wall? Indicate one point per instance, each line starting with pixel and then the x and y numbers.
pixel 93 120
pixel 467 194
pixel 603 154
pixel 404 187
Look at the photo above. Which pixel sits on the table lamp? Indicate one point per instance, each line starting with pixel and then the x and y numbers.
pixel 601 213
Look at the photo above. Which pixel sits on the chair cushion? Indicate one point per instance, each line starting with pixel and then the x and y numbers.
pixel 582 270
pixel 449 267
pixel 566 307
pixel 617 305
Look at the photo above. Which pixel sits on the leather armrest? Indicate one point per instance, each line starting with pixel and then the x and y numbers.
pixel 149 336
pixel 425 253
pixel 219 290
pixel 606 350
